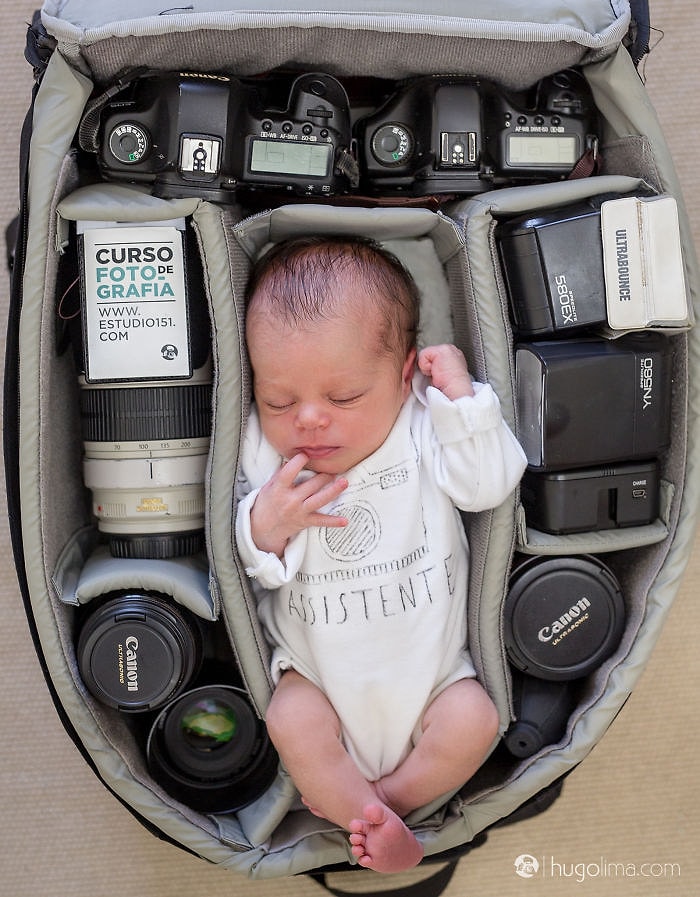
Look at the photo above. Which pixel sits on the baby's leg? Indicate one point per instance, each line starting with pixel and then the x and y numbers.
pixel 305 729
pixel 459 727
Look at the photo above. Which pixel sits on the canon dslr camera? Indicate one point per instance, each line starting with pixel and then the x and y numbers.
pixel 453 134
pixel 206 136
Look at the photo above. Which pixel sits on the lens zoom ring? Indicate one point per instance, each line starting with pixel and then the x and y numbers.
pixel 141 414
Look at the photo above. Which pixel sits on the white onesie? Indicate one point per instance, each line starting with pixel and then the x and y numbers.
pixel 374 613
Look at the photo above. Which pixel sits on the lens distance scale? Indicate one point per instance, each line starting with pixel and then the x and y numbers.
pixel 134 301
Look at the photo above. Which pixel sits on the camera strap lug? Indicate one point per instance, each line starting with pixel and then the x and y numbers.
pixel 589 164
pixel 89 129
pixel 346 164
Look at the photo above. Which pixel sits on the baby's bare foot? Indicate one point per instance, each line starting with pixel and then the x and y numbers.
pixel 382 842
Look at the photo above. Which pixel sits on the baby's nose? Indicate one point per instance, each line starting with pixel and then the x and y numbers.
pixel 311 416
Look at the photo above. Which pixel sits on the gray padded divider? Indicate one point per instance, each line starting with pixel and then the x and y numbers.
pixel 185 579
pixel 226 275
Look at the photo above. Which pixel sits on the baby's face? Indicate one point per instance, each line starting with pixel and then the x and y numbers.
pixel 325 390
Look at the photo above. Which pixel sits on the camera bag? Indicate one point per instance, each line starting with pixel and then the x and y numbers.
pixel 80 52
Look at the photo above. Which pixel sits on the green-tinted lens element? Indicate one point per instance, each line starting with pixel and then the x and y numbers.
pixel 209 723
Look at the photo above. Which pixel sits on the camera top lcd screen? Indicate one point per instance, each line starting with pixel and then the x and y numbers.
pixel 291 157
pixel 535 149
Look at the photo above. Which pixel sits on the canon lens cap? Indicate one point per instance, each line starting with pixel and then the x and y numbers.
pixel 563 616
pixel 137 651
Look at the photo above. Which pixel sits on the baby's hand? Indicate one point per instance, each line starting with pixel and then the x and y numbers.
pixel 447 368
pixel 284 508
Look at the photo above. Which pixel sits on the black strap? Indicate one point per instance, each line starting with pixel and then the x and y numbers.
pixel 432 886
pixel 16 242
pixel 637 41
pixel 89 128
pixel 39 47
pixel 589 164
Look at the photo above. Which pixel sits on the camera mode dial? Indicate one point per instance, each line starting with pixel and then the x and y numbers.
pixel 129 143
pixel 392 144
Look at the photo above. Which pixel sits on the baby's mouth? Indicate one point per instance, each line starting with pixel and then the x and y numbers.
pixel 318 451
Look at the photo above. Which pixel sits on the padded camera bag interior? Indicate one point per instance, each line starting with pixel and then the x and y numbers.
pixel 452 252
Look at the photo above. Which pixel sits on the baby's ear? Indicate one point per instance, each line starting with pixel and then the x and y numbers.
pixel 409 367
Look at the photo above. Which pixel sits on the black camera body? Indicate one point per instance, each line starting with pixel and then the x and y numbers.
pixel 206 136
pixel 186 134
pixel 542 133
pixel 454 134
pixel 427 138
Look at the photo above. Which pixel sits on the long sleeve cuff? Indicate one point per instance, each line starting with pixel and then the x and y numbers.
pixel 453 420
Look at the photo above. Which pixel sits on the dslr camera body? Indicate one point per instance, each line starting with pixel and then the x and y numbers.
pixel 208 135
pixel 455 134
pixel 204 135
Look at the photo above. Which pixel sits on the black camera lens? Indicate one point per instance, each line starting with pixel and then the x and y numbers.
pixel 137 650
pixel 209 750
pixel 564 616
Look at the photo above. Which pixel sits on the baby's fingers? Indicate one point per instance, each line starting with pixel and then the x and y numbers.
pixel 327 520
pixel 291 469
pixel 321 492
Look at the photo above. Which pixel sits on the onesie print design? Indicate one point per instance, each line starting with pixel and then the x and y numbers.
pixel 386 533
pixel 356 540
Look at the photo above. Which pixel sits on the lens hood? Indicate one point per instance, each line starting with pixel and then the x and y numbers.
pixel 542 709
pixel 563 616
pixel 209 750
pixel 136 650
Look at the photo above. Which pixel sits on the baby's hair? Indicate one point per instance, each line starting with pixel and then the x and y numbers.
pixel 298 280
